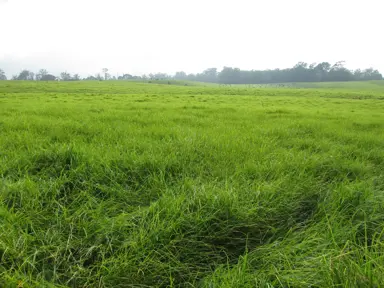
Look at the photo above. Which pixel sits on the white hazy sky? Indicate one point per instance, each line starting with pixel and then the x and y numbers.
pixel 143 36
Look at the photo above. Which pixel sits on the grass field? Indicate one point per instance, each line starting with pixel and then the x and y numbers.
pixel 123 184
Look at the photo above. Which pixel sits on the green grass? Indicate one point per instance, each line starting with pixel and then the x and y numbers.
pixel 122 184
pixel 376 85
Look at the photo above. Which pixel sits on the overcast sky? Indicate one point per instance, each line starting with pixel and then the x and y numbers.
pixel 143 36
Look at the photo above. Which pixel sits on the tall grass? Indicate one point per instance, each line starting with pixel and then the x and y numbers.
pixel 145 185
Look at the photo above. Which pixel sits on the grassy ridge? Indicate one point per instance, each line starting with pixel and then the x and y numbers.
pixel 134 185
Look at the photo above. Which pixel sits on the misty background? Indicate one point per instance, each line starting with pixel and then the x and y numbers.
pixel 149 36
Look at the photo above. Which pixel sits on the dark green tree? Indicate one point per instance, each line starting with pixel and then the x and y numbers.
pixel 48 77
pixel 41 74
pixel 65 76
pixel 2 75
pixel 25 75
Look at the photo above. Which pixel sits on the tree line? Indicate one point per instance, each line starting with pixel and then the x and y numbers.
pixel 301 72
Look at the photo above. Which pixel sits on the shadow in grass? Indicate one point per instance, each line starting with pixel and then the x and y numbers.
pixel 331 172
pixel 72 178
pixel 46 165
pixel 86 199
pixel 54 164
pixel 126 185
pixel 184 242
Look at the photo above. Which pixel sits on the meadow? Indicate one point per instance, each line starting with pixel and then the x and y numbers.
pixel 124 184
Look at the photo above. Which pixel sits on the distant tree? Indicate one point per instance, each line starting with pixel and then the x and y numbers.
pixel 322 70
pixel 161 76
pixel 76 77
pixel 230 75
pixel 299 72
pixel 209 75
pixel 358 75
pixel 41 74
pixel 125 77
pixel 105 71
pixel 31 76
pixel 2 75
pixel 25 75
pixel 99 77
pixel 91 78
pixel 191 77
pixel 371 74
pixel 339 73
pixel 65 76
pixel 48 77
pixel 181 75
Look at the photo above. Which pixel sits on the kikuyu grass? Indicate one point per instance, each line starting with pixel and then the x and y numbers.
pixel 124 184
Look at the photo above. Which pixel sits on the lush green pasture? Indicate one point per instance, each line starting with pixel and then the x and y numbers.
pixel 362 86
pixel 123 184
